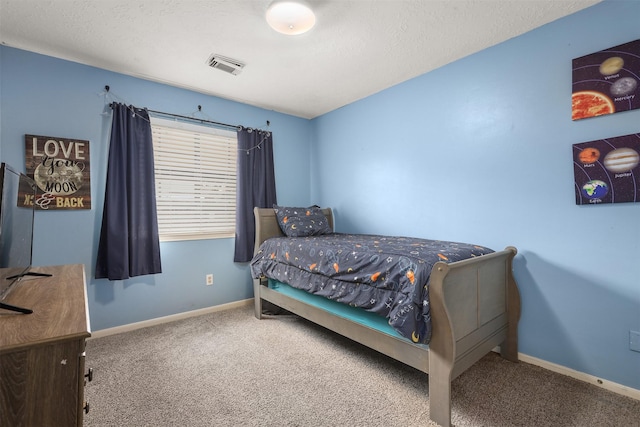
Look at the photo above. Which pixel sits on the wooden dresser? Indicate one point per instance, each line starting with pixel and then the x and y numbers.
pixel 42 354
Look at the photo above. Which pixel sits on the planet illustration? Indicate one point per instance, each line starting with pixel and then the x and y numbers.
pixel 621 160
pixel 595 189
pixel 611 65
pixel 624 86
pixel 590 103
pixel 58 179
pixel 589 155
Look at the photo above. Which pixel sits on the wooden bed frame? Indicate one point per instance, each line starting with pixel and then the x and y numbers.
pixel 475 306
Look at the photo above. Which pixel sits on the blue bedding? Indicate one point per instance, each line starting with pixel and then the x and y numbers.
pixel 385 275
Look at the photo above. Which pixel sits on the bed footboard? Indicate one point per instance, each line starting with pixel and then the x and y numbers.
pixel 475 306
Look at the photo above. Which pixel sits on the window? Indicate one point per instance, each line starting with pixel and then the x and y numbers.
pixel 195 171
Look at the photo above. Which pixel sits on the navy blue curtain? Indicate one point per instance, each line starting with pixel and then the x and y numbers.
pixel 256 186
pixel 129 243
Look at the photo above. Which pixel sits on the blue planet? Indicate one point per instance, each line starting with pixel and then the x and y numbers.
pixel 595 189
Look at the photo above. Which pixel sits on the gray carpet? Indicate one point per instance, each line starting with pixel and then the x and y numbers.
pixel 230 369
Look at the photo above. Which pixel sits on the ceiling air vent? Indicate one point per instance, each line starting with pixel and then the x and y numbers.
pixel 225 64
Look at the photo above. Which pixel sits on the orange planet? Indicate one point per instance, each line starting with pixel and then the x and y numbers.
pixel 589 155
pixel 590 104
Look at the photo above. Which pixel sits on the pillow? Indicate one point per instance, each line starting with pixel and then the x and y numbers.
pixel 302 222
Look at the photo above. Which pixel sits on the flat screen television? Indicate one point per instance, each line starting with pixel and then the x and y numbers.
pixel 17 208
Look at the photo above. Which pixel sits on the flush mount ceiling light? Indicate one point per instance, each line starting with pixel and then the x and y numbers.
pixel 290 17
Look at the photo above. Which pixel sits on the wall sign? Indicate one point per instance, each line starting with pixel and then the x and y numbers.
pixel 60 168
pixel 607 171
pixel 606 82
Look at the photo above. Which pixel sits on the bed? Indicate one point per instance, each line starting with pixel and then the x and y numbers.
pixel 471 306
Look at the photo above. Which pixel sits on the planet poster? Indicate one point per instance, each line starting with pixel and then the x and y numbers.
pixel 606 82
pixel 607 171
pixel 60 169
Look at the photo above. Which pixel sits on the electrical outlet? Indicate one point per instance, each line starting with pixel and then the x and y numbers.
pixel 634 340
pixel 209 279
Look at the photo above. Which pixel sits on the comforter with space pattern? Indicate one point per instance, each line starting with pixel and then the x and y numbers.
pixel 382 274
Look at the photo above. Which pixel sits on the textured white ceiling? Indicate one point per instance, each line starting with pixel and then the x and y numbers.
pixel 357 48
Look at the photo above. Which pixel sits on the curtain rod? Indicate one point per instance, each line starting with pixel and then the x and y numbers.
pixel 162 113
pixel 194 118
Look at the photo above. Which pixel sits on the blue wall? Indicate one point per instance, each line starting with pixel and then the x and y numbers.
pixel 481 151
pixel 46 96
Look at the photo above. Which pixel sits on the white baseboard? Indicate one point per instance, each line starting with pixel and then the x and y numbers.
pixel 563 370
pixel 172 318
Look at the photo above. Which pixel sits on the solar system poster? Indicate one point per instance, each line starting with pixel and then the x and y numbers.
pixel 606 82
pixel 606 170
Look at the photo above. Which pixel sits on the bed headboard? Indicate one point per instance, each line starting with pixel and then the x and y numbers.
pixel 267 224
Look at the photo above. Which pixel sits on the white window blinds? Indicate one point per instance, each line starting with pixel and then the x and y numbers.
pixel 195 172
